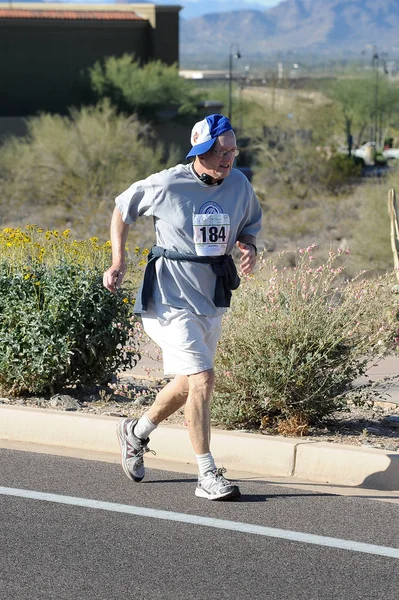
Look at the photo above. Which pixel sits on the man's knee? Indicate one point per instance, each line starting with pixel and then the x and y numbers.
pixel 202 383
pixel 181 385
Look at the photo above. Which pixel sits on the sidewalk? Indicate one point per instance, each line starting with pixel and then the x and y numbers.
pixel 268 456
pixel 386 368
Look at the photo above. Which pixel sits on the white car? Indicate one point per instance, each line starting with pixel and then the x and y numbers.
pixel 391 153
pixel 368 151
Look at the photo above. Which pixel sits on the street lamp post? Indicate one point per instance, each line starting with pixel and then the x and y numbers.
pixel 375 65
pixel 232 54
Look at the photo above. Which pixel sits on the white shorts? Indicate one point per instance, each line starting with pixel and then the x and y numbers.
pixel 188 341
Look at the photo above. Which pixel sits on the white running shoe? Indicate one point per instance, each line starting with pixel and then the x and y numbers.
pixel 214 486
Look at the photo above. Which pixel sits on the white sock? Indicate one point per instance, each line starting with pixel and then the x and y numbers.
pixel 144 427
pixel 205 463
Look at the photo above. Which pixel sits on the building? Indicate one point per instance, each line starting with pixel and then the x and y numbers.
pixel 46 49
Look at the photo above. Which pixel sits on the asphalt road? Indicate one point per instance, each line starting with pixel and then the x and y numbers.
pixel 88 536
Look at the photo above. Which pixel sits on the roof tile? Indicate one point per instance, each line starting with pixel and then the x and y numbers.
pixel 78 15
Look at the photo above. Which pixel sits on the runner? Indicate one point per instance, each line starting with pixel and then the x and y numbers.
pixel 200 211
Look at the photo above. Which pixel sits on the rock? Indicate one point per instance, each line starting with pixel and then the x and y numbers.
pixel 64 402
pixel 140 401
pixel 373 430
pixel 391 421
pixel 155 384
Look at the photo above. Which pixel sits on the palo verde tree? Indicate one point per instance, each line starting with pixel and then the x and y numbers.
pixel 355 98
pixel 365 102
pixel 142 89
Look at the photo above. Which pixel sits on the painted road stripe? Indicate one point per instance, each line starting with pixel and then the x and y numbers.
pixel 293 536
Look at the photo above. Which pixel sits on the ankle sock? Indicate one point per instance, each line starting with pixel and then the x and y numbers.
pixel 144 427
pixel 205 463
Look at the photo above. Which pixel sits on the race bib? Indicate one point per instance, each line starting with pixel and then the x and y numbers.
pixel 211 234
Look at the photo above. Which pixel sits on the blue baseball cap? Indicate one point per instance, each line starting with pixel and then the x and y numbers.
pixel 205 132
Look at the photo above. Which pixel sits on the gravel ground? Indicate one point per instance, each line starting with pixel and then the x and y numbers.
pixel 375 426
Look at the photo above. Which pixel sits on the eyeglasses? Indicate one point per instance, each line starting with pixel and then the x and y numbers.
pixel 225 153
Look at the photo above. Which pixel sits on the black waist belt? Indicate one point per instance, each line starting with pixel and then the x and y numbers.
pixel 227 278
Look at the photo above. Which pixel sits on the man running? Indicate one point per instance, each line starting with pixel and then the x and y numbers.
pixel 200 211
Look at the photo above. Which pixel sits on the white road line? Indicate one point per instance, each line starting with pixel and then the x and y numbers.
pixel 294 536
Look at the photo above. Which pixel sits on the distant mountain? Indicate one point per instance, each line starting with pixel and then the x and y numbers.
pixel 190 8
pixel 325 26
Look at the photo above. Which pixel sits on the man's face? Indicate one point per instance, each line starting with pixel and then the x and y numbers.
pixel 218 161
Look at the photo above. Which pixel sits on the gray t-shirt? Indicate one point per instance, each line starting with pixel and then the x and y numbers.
pixel 192 217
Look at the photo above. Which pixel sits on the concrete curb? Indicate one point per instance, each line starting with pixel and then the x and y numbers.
pixel 299 458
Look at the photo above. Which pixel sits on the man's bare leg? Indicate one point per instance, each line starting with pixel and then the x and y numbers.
pixel 198 410
pixel 169 399
pixel 212 485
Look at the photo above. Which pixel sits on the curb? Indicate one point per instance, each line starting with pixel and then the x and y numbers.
pixel 316 462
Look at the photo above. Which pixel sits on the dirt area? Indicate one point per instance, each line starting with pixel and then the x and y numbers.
pixel 374 426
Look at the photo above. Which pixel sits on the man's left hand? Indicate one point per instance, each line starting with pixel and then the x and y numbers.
pixel 248 258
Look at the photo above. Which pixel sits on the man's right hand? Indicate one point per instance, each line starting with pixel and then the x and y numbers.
pixel 112 278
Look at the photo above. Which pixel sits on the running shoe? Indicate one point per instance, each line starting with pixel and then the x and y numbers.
pixel 214 486
pixel 132 449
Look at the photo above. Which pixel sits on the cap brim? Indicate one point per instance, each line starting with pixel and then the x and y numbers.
pixel 201 148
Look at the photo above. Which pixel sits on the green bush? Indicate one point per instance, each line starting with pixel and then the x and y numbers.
pixel 143 90
pixel 294 341
pixel 58 325
pixel 75 166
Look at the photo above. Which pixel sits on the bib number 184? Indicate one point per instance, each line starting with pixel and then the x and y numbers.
pixel 211 234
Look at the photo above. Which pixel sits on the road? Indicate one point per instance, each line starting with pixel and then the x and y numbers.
pixel 90 533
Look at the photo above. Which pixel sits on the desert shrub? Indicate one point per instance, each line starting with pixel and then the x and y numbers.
pixel 289 165
pixel 142 89
pixel 295 340
pixel 77 164
pixel 339 171
pixel 58 325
